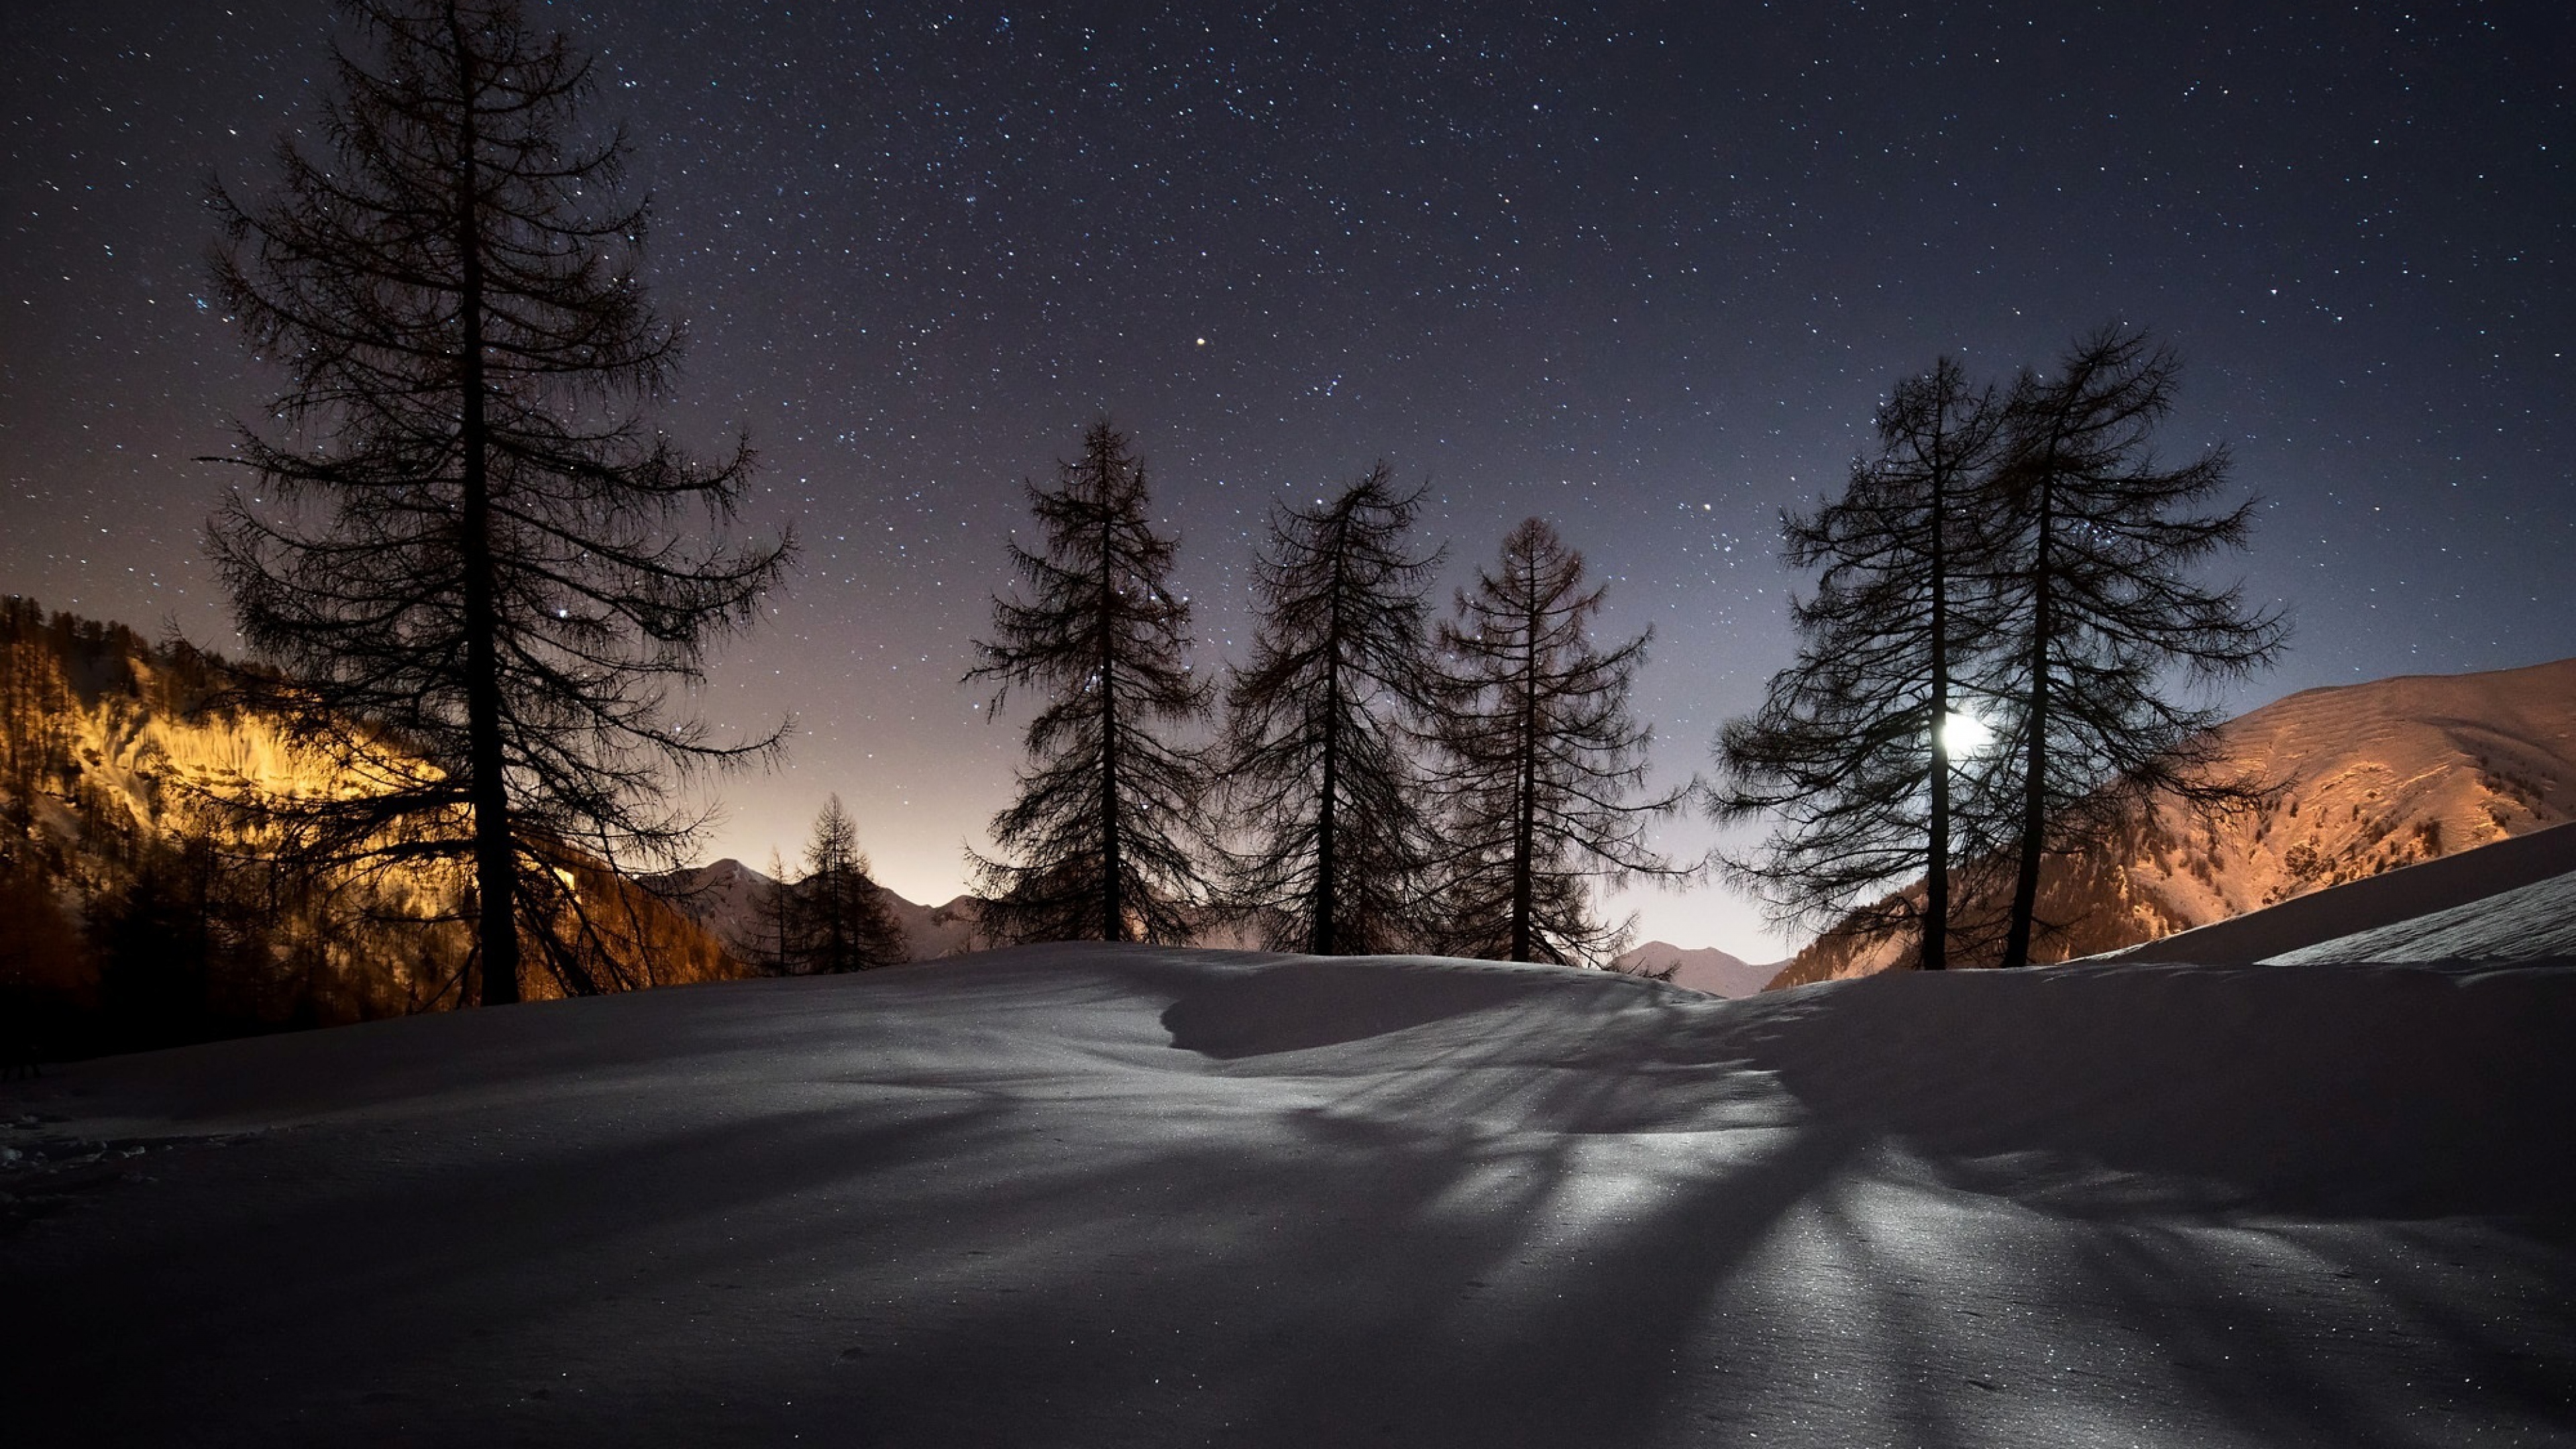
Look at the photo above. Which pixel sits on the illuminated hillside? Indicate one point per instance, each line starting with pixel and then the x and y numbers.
pixel 2374 776
pixel 138 911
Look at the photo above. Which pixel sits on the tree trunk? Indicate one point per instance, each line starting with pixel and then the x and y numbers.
pixel 2034 800
pixel 1936 849
pixel 496 872
pixel 1113 905
pixel 1321 937
pixel 1525 826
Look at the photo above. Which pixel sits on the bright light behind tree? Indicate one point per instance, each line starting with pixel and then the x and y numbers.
pixel 1964 734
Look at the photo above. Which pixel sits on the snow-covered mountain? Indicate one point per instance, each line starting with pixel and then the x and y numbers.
pixel 736 903
pixel 1705 969
pixel 1113 1195
pixel 2374 776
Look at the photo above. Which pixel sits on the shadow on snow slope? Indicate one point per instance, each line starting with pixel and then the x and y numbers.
pixel 1115 1196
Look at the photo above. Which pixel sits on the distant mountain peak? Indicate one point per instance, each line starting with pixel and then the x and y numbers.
pixel 1702 968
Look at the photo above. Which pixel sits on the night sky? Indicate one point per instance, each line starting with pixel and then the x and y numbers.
pixel 1642 269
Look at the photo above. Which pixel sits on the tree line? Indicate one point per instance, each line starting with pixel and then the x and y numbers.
pixel 484 574
pixel 1375 783
pixel 2015 562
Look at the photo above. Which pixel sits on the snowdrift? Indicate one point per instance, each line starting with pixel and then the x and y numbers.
pixel 2514 900
pixel 1124 1196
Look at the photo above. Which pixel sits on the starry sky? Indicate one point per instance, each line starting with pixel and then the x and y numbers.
pixel 1643 269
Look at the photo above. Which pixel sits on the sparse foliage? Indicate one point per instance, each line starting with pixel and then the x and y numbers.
pixel 1850 755
pixel 1319 762
pixel 839 919
pixel 2096 606
pixel 1099 842
pixel 1538 758
pixel 484 571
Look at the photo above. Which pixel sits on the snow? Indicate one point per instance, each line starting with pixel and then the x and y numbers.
pixel 2537 921
pixel 733 901
pixel 2513 900
pixel 1099 1195
pixel 1704 969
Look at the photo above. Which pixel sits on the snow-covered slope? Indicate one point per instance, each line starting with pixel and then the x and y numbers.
pixel 1705 969
pixel 2514 900
pixel 1100 1195
pixel 2374 777
pixel 732 900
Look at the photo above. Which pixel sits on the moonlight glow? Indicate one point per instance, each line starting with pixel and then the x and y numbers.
pixel 1964 734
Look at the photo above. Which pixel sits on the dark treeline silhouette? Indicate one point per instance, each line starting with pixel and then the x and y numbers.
pixel 1318 762
pixel 1538 756
pixel 1374 786
pixel 1103 835
pixel 2023 559
pixel 833 917
pixel 482 569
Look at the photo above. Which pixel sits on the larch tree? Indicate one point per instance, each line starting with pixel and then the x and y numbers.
pixel 777 927
pixel 1100 843
pixel 483 572
pixel 1851 755
pixel 1319 760
pixel 2097 607
pixel 839 918
pixel 1538 761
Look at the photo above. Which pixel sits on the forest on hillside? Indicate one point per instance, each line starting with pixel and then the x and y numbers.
pixel 141 910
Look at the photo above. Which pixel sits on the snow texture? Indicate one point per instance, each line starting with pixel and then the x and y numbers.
pixel 1101 1195
pixel 2513 900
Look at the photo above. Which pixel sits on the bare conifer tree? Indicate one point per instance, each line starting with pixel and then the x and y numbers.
pixel 1320 767
pixel 2097 607
pixel 1110 804
pixel 1850 755
pixel 841 921
pixel 483 570
pixel 1538 756
pixel 777 928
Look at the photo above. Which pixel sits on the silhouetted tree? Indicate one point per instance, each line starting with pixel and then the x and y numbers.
pixel 2096 606
pixel 1850 754
pixel 482 568
pixel 1109 802
pixel 1538 756
pixel 1319 762
pixel 778 920
pixel 840 918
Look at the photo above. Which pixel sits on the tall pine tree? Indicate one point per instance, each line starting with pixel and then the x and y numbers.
pixel 1538 758
pixel 1098 845
pixel 484 572
pixel 2097 606
pixel 1320 767
pixel 1851 754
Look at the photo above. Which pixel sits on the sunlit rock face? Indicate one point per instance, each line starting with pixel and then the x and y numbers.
pixel 126 892
pixel 2373 777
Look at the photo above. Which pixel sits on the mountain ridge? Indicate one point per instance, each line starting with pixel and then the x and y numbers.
pixel 2373 777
